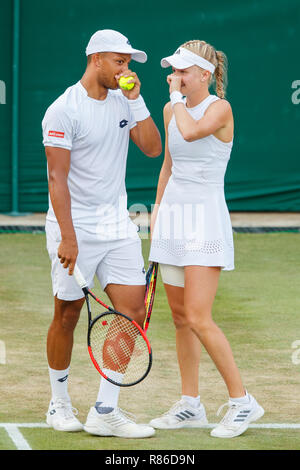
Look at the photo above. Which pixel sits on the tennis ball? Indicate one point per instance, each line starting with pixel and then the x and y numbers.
pixel 123 82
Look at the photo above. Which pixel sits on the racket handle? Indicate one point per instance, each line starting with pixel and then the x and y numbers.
pixel 79 277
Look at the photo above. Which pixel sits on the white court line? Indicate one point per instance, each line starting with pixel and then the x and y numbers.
pixel 16 436
pixel 25 425
pixel 211 425
pixel 263 426
pixel 21 444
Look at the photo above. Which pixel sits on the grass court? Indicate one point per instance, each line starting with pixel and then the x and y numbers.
pixel 257 306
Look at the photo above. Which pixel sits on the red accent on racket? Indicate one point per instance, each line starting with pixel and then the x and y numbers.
pixel 116 342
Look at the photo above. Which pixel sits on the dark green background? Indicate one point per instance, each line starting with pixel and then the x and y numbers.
pixel 260 38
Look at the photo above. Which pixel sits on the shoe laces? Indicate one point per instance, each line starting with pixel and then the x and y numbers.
pixel 66 409
pixel 173 410
pixel 231 413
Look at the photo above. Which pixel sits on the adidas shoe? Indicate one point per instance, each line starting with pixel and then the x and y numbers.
pixel 237 418
pixel 115 423
pixel 61 416
pixel 181 415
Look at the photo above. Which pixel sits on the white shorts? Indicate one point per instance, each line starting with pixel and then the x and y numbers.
pixel 172 275
pixel 112 262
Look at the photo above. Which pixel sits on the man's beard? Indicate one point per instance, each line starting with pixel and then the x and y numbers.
pixel 108 84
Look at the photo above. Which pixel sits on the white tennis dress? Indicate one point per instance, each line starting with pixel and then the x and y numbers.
pixel 193 225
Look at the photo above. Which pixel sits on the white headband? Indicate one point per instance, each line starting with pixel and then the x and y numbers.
pixel 183 58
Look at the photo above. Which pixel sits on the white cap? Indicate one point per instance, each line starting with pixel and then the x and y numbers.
pixel 108 40
pixel 183 58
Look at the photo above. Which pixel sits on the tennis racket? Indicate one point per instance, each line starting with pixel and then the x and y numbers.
pixel 151 277
pixel 116 343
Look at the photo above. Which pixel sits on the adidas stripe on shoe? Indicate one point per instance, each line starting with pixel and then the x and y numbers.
pixel 181 415
pixel 237 419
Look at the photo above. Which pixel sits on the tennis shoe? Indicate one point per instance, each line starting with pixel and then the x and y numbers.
pixel 116 423
pixel 237 419
pixel 61 416
pixel 181 415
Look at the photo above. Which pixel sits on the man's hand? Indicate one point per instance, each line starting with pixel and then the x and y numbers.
pixel 134 93
pixel 67 253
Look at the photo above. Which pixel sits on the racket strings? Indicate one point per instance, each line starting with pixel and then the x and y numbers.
pixel 117 345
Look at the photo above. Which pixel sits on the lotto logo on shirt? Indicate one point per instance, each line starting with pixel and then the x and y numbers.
pixel 56 134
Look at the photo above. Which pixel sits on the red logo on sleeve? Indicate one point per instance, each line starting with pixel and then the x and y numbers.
pixel 56 134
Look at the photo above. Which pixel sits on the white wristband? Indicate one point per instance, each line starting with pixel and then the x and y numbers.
pixel 176 97
pixel 139 109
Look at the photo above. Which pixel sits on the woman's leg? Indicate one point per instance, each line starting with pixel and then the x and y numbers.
pixel 188 412
pixel 187 344
pixel 201 284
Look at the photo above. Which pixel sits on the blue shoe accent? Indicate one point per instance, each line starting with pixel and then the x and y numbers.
pixel 102 410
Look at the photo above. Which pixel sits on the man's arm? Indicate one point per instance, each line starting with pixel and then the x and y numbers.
pixel 145 134
pixel 147 137
pixel 58 160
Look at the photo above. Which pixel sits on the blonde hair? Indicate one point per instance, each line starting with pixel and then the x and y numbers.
pixel 217 58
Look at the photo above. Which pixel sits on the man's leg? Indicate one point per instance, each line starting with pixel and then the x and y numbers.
pixel 59 352
pixel 105 418
pixel 122 276
pixel 130 301
pixel 60 334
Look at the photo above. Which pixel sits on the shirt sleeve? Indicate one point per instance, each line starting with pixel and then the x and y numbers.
pixel 58 127
pixel 132 121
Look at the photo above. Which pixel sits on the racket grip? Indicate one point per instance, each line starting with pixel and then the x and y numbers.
pixel 79 277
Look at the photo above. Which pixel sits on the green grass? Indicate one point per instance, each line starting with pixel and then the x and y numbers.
pixel 257 306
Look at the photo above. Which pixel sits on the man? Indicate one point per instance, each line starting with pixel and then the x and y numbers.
pixel 86 135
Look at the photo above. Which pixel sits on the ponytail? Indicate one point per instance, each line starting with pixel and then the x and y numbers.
pixel 221 74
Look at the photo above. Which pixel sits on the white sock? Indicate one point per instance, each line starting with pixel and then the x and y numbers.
pixel 108 395
pixel 59 383
pixel 241 400
pixel 193 401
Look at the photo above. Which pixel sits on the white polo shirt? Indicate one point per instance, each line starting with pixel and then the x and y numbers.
pixel 97 134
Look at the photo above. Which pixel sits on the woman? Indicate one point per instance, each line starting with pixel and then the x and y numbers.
pixel 192 233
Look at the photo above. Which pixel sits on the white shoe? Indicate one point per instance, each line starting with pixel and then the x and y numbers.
pixel 116 423
pixel 181 415
pixel 61 416
pixel 237 418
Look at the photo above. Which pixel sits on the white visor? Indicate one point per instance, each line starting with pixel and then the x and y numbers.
pixel 108 40
pixel 183 58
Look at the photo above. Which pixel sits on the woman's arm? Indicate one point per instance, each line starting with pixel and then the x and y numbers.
pixel 217 116
pixel 166 169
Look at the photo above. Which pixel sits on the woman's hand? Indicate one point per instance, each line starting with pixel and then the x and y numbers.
pixel 174 82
